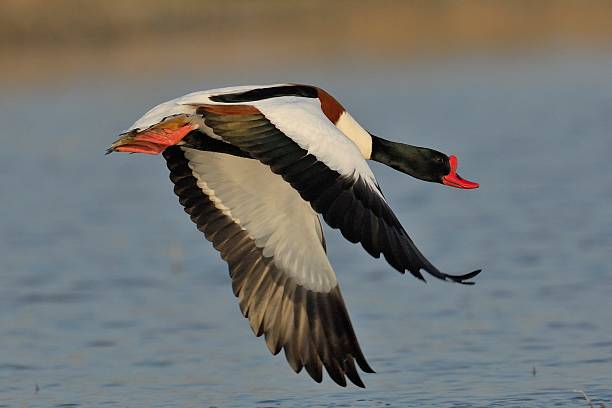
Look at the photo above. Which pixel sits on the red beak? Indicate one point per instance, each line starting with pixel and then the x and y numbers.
pixel 454 180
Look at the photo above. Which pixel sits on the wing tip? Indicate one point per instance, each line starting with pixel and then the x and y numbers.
pixel 357 381
pixel 462 279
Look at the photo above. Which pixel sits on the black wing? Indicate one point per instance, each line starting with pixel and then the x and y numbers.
pixel 346 201
pixel 312 327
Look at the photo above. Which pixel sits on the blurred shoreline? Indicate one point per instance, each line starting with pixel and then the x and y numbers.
pixel 41 41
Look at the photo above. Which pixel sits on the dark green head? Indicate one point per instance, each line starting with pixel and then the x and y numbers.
pixel 419 162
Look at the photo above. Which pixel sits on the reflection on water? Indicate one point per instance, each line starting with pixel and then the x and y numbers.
pixel 99 307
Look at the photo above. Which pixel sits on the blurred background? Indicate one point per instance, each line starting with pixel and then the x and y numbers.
pixel 110 296
pixel 68 38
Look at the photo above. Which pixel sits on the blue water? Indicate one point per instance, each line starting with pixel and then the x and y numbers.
pixel 109 296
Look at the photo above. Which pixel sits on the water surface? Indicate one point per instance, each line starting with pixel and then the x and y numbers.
pixel 109 296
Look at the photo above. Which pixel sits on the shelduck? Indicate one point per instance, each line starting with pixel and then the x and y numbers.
pixel 254 166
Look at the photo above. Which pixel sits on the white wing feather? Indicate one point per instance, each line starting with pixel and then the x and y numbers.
pixel 272 212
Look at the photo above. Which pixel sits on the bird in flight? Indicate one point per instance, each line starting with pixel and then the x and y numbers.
pixel 254 167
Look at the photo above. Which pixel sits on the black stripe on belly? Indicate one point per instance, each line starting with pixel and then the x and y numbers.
pixel 313 328
pixel 200 141
pixel 259 94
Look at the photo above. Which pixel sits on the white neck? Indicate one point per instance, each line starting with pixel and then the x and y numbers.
pixel 356 133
